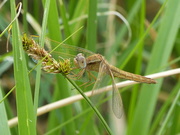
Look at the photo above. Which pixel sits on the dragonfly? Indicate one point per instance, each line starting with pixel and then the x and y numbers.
pixel 86 61
pixel 98 63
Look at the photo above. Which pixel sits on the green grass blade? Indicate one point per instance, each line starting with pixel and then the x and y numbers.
pixel 160 54
pixel 42 37
pixel 65 22
pixel 163 110
pixel 78 11
pixel 92 26
pixel 25 9
pixel 26 124
pixel 4 128
pixel 139 62
pixel 169 113
pixel 53 23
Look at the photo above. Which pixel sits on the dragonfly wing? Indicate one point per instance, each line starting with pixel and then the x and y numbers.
pixel 117 105
pixel 70 51
pixel 101 76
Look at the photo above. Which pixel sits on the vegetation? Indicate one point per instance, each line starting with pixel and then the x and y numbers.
pixel 151 45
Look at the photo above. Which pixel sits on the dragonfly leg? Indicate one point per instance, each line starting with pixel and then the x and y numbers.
pixel 78 75
pixel 91 77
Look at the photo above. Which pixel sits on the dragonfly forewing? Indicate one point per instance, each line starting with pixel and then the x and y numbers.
pixel 70 51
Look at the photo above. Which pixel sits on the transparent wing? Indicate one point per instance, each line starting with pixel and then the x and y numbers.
pixel 117 105
pixel 101 76
pixel 100 81
pixel 64 50
pixel 69 51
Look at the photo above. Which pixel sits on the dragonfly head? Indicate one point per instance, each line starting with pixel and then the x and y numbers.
pixel 80 61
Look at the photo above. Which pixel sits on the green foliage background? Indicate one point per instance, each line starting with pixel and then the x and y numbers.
pixel 154 47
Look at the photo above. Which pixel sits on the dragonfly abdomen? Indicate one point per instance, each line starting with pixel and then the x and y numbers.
pixel 130 76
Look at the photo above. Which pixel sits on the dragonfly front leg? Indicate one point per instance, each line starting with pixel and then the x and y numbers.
pixel 89 82
pixel 76 76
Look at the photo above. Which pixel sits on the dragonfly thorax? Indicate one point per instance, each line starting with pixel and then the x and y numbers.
pixel 80 60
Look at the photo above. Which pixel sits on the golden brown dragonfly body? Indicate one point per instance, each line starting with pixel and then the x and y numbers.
pixel 93 63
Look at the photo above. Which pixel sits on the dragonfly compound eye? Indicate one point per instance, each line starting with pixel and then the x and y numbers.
pixel 81 60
